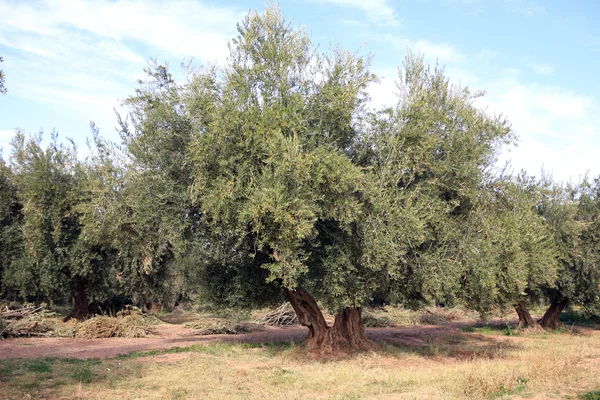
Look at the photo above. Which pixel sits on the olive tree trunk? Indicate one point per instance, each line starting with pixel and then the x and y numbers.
pixel 551 320
pixel 347 334
pixel 80 303
pixel 525 319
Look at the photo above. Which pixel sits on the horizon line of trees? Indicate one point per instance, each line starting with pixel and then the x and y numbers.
pixel 271 179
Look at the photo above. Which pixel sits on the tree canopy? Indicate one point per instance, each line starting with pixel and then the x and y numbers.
pixel 273 177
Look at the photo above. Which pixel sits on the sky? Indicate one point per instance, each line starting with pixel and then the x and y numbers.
pixel 69 62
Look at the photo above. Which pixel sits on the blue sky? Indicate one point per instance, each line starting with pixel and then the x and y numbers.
pixel 69 62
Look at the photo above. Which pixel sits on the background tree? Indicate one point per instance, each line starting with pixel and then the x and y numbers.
pixel 432 156
pixel 153 223
pixel 11 219
pixel 573 212
pixel 59 256
pixel 509 249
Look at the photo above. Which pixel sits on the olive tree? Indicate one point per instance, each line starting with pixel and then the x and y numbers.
pixel 572 212
pixel 335 202
pixel 509 248
pixel 11 219
pixel 59 257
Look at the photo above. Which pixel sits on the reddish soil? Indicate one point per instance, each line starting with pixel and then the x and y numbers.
pixel 171 335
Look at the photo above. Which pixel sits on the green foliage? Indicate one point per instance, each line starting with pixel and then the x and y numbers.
pixel 430 158
pixel 3 89
pixel 272 172
pixel 48 189
pixel 290 164
pixel 573 213
pixel 508 249
pixel 579 317
pixel 58 252
pixel 11 219
pixel 272 155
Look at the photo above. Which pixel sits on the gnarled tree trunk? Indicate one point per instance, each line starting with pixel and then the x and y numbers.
pixel 80 303
pixel 551 320
pixel 525 319
pixel 346 335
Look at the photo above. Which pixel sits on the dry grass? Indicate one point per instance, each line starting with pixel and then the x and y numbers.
pixel 540 366
pixel 398 316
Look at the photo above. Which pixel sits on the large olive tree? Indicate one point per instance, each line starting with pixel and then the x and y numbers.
pixel 333 201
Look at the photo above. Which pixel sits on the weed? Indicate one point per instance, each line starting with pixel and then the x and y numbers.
pixel 83 375
pixel 178 394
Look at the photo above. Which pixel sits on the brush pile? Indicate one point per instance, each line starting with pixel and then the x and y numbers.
pixel 219 326
pixel 283 316
pixel 30 320
pixel 129 323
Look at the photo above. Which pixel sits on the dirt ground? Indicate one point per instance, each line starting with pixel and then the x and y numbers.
pixel 172 335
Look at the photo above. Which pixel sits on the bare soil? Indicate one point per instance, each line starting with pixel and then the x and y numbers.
pixel 173 335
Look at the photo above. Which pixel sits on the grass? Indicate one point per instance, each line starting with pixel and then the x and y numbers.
pixel 491 329
pixel 483 364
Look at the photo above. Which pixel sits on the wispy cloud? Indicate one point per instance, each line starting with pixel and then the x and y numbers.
pixel 80 57
pixel 377 11
pixel 180 27
pixel 525 7
pixel 558 129
pixel 443 52
pixel 542 69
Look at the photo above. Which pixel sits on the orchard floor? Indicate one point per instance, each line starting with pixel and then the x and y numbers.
pixel 168 336
pixel 449 361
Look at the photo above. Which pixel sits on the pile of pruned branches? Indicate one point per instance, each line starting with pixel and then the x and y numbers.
pixel 284 315
pixel 18 322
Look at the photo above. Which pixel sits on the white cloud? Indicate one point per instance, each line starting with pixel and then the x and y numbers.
pixel 180 27
pixel 542 69
pixel 524 7
pixel 559 130
pixel 443 52
pixel 377 11
pixel 80 57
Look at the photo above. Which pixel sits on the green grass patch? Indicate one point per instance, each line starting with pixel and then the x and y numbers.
pixel 496 329
pixel 84 375
pixel 213 349
pixel 595 395
pixel 39 367
pixel 518 388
